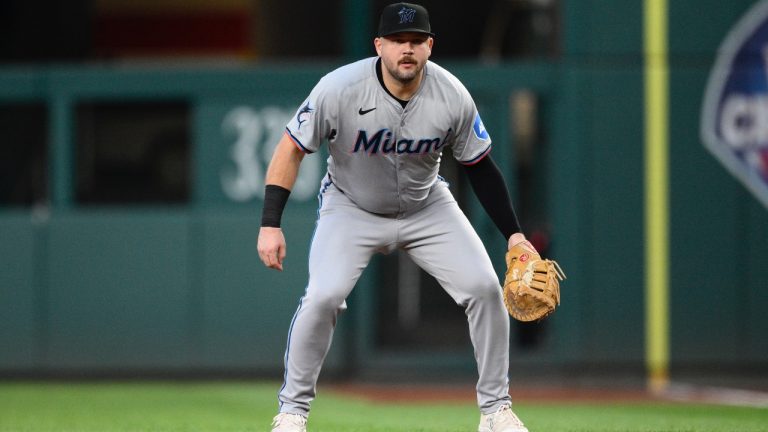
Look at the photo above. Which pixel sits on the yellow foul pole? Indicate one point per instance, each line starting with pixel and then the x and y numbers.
pixel 656 194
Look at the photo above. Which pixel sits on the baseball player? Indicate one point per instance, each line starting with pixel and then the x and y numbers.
pixel 387 121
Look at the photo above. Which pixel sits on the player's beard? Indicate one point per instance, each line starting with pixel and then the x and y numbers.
pixel 404 77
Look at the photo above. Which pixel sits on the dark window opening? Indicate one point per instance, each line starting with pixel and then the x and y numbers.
pixel 23 153
pixel 414 310
pixel 530 157
pixel 133 152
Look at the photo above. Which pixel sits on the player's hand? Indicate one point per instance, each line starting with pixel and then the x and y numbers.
pixel 518 238
pixel 271 247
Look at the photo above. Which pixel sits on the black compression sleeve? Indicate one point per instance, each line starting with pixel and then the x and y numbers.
pixel 275 198
pixel 492 192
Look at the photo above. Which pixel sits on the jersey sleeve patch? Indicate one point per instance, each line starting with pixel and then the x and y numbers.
pixel 304 114
pixel 479 128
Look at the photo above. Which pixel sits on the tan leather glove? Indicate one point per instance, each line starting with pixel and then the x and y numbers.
pixel 531 284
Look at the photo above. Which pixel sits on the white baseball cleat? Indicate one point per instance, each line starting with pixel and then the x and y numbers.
pixel 503 420
pixel 287 422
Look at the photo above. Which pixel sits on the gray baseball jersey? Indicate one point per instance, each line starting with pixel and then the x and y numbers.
pixel 384 157
pixel 382 193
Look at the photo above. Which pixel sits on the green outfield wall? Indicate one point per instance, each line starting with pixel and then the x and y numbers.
pixel 104 288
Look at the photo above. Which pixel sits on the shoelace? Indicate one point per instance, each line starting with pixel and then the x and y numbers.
pixel 288 419
pixel 505 413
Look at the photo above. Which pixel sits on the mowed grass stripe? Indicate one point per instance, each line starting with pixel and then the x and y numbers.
pixel 226 406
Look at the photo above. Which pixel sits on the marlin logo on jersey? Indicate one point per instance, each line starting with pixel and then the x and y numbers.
pixel 385 142
pixel 406 15
pixel 303 114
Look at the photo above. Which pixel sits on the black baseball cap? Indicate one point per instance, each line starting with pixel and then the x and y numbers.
pixel 404 17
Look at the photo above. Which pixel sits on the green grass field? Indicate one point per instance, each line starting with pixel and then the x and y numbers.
pixel 228 407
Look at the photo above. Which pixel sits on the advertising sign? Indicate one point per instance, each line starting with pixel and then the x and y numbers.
pixel 734 121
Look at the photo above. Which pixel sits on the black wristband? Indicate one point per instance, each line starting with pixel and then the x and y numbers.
pixel 275 198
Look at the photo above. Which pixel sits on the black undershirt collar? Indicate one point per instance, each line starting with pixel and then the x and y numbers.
pixel 379 75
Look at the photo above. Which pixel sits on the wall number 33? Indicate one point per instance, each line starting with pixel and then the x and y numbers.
pixel 251 136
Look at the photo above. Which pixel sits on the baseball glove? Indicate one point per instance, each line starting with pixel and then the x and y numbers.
pixel 531 284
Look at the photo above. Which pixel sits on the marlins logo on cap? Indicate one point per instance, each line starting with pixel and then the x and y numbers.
pixel 404 17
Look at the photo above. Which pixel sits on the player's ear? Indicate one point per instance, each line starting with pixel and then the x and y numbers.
pixel 377 45
pixel 430 42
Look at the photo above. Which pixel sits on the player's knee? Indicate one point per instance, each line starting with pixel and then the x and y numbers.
pixel 476 289
pixel 485 289
pixel 326 301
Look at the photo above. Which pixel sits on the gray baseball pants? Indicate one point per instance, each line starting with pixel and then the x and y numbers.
pixel 439 238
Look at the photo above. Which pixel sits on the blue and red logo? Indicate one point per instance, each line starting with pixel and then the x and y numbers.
pixel 479 128
pixel 734 121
